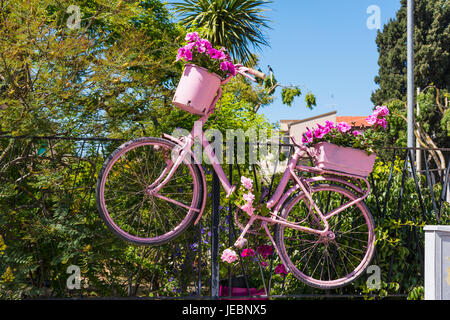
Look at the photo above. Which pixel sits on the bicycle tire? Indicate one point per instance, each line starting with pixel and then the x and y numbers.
pixel 304 267
pixel 172 226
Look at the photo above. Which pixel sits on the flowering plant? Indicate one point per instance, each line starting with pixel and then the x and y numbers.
pixel 342 134
pixel 201 53
pixel 245 197
pixel 258 259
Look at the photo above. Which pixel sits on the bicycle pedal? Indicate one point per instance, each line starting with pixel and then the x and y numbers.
pixel 240 243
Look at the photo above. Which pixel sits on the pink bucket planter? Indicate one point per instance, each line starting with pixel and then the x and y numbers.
pixel 329 156
pixel 242 294
pixel 197 90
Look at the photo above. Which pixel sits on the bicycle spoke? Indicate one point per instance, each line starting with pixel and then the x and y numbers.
pixel 314 271
pixel 345 256
pixel 334 268
pixel 313 248
pixel 363 241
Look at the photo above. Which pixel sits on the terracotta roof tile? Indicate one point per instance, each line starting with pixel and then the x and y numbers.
pixel 354 121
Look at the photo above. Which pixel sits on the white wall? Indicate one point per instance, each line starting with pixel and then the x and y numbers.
pixel 297 130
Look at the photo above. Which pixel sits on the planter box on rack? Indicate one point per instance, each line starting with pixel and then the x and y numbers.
pixel 329 156
pixel 196 90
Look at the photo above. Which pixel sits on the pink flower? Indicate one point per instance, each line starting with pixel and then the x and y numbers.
pixel 321 131
pixel 264 264
pixel 382 123
pixel 190 46
pixel 184 53
pixel 201 49
pixel 203 45
pixel 192 37
pixel 216 54
pixel 229 67
pixel 308 137
pixel 377 118
pixel 265 251
pixel 224 66
pixel 229 256
pixel 372 120
pixel 356 133
pixel 343 127
pixel 247 183
pixel 249 197
pixel 329 125
pixel 318 134
pixel 248 207
pixel 248 253
pixel 381 111
pixel 280 269
pixel 232 68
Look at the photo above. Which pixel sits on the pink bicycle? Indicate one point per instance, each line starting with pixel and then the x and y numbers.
pixel 151 190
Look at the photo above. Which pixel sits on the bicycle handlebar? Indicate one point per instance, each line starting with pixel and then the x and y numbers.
pixel 245 71
pixel 301 146
pixel 256 73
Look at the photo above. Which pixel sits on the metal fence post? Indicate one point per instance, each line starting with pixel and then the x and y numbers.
pixel 215 237
pixel 410 72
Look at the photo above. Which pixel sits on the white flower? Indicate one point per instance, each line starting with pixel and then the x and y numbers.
pixel 270 167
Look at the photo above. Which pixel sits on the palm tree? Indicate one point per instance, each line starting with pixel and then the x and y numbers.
pixel 234 24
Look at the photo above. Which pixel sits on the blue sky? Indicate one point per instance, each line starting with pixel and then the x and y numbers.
pixel 325 47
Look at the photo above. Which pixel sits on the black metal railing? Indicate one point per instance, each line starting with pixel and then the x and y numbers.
pixel 401 201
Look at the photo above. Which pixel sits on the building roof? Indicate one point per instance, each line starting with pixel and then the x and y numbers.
pixel 358 121
pixel 289 121
pixel 292 122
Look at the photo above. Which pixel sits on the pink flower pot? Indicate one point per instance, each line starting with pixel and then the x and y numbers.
pixel 329 156
pixel 196 90
pixel 242 293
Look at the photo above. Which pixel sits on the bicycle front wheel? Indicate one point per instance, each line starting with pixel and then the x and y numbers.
pixel 128 208
pixel 333 260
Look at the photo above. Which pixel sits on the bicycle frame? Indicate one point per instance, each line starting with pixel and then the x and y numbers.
pixel 292 188
pixel 186 144
pixel 279 197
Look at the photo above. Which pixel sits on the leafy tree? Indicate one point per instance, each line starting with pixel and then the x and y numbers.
pixel 236 25
pixel 432 75
pixel 431 46
pixel 431 128
pixel 110 75
pixel 262 93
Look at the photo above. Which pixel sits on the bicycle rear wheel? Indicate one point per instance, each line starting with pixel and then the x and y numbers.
pixel 134 214
pixel 334 260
